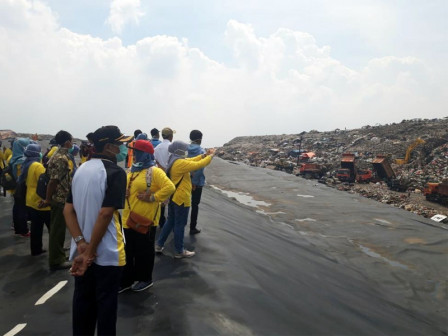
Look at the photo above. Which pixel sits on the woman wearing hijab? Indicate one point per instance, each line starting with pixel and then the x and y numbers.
pixel 32 168
pixel 178 169
pixel 72 153
pixel 147 187
pixel 142 136
pixel 19 213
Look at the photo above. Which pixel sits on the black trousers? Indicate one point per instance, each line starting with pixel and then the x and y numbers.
pixel 95 300
pixel 140 256
pixel 19 216
pixel 195 200
pixel 38 219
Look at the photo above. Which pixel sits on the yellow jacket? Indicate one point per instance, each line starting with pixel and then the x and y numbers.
pixel 32 199
pixel 52 151
pixel 7 154
pixel 2 164
pixel 161 187
pixel 182 168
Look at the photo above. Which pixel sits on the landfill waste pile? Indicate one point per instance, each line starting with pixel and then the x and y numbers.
pixel 7 134
pixel 416 152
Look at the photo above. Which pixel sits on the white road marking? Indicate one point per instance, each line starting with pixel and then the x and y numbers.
pixel 18 328
pixel 51 292
pixel 382 221
pixel 305 196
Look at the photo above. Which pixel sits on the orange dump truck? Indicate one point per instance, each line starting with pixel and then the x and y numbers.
pixel 348 171
pixel 310 170
pixel 437 192
pixel 384 171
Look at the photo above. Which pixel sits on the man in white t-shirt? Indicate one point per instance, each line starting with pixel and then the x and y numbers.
pixel 161 155
pixel 161 151
pixel 91 213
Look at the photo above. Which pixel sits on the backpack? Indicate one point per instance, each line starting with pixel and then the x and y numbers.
pixel 42 183
pixel 7 180
pixel 20 192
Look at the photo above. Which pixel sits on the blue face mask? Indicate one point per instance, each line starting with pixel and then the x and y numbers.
pixel 123 152
pixel 70 151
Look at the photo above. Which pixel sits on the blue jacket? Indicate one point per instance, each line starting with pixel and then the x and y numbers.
pixel 155 142
pixel 197 177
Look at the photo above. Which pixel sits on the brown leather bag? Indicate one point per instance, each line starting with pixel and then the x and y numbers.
pixel 139 223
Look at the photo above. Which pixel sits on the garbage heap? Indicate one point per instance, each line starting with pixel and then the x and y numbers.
pixel 427 162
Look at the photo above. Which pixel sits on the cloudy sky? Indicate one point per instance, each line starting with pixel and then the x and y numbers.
pixel 228 68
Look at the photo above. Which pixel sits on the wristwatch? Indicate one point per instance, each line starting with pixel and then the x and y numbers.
pixel 78 239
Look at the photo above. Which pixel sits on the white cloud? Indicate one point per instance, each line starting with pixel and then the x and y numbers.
pixel 53 78
pixel 123 12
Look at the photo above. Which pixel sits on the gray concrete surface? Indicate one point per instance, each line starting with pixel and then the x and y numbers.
pixel 330 264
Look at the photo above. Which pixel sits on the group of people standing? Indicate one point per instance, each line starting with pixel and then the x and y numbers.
pixel 113 252
pixel 26 165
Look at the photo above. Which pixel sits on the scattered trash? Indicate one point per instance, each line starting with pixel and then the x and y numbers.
pixel 440 218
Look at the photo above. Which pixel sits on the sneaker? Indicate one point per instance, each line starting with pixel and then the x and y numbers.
pixel 184 254
pixel 142 285
pixel 124 289
pixel 24 235
pixel 194 231
pixel 158 249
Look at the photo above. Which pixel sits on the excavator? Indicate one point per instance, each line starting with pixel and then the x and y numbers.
pixel 411 147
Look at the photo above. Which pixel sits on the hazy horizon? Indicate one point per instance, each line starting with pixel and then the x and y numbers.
pixel 227 68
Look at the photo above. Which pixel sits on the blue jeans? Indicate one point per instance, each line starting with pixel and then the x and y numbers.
pixel 176 221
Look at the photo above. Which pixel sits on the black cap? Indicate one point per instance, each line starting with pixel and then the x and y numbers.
pixel 109 134
pixel 62 137
pixel 154 131
pixel 195 135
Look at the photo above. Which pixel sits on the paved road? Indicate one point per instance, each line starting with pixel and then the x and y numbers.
pixel 314 261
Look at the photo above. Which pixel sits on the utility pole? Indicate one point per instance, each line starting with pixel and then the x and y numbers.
pixel 299 140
